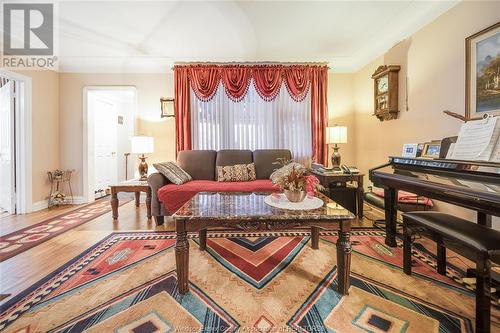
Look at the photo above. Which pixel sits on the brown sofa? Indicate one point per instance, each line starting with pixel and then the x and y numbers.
pixel 201 165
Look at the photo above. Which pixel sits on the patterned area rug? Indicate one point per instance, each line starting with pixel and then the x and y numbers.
pixel 255 282
pixel 26 238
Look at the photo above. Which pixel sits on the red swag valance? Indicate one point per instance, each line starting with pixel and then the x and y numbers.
pixel 298 79
pixel 236 80
pixel 204 80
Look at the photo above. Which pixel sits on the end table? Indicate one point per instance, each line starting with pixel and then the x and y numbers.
pixel 326 178
pixel 135 186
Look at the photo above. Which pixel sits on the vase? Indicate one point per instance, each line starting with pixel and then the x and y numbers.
pixel 295 196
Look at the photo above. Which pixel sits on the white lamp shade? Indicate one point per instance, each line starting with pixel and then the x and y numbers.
pixel 142 144
pixel 336 134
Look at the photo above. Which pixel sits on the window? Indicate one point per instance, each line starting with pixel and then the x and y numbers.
pixel 253 123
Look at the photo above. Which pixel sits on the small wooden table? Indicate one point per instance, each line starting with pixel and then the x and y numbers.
pixel 326 179
pixel 249 212
pixel 135 186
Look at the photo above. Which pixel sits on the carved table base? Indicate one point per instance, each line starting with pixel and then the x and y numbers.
pixel 182 246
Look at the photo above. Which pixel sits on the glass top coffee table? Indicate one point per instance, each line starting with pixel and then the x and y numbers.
pixel 249 212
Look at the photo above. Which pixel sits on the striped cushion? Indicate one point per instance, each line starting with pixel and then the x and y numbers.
pixel 236 173
pixel 173 172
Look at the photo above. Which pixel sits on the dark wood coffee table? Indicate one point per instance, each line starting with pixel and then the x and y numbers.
pixel 249 212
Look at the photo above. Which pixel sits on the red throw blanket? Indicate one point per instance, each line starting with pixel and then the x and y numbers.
pixel 174 196
pixel 407 198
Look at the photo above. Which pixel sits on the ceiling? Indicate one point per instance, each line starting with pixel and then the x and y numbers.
pixel 150 36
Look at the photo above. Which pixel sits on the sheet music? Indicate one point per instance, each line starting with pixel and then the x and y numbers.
pixel 477 140
pixel 495 156
pixel 451 149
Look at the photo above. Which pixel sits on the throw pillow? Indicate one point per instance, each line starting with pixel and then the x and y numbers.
pixel 173 172
pixel 284 170
pixel 236 173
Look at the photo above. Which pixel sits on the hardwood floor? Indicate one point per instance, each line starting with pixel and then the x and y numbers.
pixel 21 271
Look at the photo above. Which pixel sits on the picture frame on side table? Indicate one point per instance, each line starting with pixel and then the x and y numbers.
pixel 482 58
pixel 410 150
pixel 167 107
pixel 420 149
pixel 432 149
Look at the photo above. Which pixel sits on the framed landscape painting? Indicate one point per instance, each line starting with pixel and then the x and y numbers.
pixel 483 73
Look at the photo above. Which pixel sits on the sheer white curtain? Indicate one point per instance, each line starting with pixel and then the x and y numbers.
pixel 253 123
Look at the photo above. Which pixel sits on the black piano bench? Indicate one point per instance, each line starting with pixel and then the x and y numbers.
pixel 474 241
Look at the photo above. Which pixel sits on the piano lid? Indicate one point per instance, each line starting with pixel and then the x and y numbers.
pixel 470 167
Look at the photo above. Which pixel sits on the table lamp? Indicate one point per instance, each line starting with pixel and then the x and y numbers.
pixel 142 145
pixel 335 135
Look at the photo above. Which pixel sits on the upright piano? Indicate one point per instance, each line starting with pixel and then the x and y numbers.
pixel 469 184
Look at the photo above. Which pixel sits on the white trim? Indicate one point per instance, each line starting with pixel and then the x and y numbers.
pixel 39 205
pixel 10 191
pixel 88 140
pixel 78 200
pixel 44 204
pixel 24 199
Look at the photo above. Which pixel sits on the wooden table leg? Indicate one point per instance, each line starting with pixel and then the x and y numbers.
pixel 148 202
pixel 483 298
pixel 137 199
pixel 315 237
pixel 203 239
pixel 390 203
pixel 114 203
pixel 361 193
pixel 182 256
pixel 344 260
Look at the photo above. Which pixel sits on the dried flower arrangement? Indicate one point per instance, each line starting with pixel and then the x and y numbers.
pixel 298 180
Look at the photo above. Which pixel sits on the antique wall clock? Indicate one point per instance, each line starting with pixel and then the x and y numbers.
pixel 386 92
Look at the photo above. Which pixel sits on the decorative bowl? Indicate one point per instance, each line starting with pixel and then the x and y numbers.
pixel 295 196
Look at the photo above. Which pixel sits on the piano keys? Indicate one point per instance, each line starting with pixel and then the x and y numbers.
pixel 469 184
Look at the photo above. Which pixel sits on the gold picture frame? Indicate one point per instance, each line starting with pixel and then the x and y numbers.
pixel 431 149
pixel 482 93
pixel 167 107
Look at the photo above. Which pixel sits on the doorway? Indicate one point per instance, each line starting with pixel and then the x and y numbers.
pixel 110 114
pixel 16 136
pixel 7 147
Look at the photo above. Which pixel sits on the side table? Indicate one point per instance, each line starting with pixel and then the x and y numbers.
pixel 135 186
pixel 326 178
pixel 57 179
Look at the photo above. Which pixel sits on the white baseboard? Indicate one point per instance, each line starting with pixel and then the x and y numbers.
pixel 78 200
pixel 39 205
pixel 44 204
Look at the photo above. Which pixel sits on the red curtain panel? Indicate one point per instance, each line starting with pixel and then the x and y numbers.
pixel 182 109
pixel 268 79
pixel 319 112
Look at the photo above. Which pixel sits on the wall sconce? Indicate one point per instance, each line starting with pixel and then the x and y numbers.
pixel 167 107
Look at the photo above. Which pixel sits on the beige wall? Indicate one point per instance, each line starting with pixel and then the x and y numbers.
pixel 341 112
pixel 45 129
pixel 150 87
pixel 434 60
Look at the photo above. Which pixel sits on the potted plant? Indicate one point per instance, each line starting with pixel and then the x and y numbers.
pixel 296 184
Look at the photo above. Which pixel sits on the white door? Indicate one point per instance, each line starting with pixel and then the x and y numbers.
pixel 105 142
pixel 7 180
